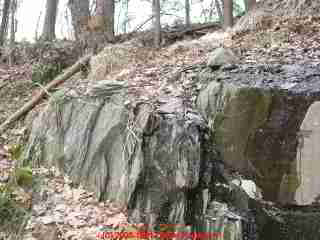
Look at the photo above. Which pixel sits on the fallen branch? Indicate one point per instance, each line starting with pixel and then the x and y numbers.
pixel 57 81
pixel 180 33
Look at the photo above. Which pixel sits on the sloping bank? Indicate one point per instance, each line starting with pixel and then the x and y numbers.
pixel 174 165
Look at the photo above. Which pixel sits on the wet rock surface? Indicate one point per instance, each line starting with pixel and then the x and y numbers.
pixel 300 77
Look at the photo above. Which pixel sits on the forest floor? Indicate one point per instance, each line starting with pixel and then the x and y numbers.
pixel 73 213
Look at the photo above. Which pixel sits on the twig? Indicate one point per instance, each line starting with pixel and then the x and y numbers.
pixel 142 24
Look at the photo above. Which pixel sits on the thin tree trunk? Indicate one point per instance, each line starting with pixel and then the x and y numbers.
pixel 218 7
pixel 36 34
pixel 105 11
pixel 187 13
pixel 211 10
pixel 12 31
pixel 157 23
pixel 48 32
pixel 227 13
pixel 125 22
pixel 246 7
pixel 251 4
pixel 4 21
pixel 80 15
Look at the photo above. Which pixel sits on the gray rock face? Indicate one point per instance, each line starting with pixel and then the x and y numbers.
pixel 221 223
pixel 308 158
pixel 171 156
pixel 256 131
pixel 136 157
pixel 172 164
pixel 271 136
pixel 294 223
pixel 64 133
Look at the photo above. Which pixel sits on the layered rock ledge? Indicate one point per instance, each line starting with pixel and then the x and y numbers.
pixel 174 160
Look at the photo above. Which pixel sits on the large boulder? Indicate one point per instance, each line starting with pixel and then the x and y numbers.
pixel 172 162
pixel 146 160
pixel 256 131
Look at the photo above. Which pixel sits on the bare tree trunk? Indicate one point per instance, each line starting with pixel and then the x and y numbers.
pixel 80 15
pixel 36 33
pixel 211 10
pixel 227 13
pixel 246 7
pixel 105 12
pixel 125 23
pixel 12 31
pixel 251 4
pixel 187 13
pixel 48 32
pixel 4 21
pixel 157 23
pixel 218 7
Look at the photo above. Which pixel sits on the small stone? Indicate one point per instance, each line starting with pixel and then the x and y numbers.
pixel 222 56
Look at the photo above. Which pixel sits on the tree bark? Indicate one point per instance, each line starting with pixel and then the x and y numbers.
pixel 218 7
pixel 48 32
pixel 4 21
pixel 125 23
pixel 105 12
pixel 12 31
pixel 80 15
pixel 246 7
pixel 156 23
pixel 187 13
pixel 227 14
pixel 249 4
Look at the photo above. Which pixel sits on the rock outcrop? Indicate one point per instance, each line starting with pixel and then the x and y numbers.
pixel 256 122
pixel 178 163
pixel 148 160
